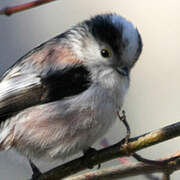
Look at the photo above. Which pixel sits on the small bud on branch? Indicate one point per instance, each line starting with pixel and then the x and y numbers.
pixel 14 9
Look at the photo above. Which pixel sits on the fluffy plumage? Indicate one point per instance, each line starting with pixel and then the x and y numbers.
pixel 62 96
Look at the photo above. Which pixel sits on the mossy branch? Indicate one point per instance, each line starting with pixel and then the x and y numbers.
pixel 132 169
pixel 114 151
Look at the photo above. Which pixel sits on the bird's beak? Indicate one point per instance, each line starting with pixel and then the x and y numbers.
pixel 124 71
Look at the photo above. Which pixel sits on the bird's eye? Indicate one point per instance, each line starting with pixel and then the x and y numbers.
pixel 106 52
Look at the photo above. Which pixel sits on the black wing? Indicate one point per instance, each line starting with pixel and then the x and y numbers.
pixel 26 90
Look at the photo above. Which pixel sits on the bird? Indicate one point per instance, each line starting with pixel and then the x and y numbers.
pixel 62 96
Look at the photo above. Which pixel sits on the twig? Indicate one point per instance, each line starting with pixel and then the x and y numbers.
pixel 130 169
pixel 112 152
pixel 160 162
pixel 14 9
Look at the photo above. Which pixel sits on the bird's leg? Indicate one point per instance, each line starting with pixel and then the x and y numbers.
pixel 124 120
pixel 35 170
pixel 87 155
pixel 135 155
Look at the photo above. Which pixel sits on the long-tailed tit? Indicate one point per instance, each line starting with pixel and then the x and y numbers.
pixel 63 95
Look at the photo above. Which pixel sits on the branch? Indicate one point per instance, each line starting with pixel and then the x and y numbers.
pixel 131 169
pixel 14 9
pixel 114 151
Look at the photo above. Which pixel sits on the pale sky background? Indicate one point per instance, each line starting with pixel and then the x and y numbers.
pixel 153 100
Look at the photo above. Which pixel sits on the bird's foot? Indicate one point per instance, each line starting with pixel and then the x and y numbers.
pixel 35 170
pixel 88 154
pixel 125 122
pixel 125 141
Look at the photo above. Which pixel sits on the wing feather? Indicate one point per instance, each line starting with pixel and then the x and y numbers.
pixel 41 77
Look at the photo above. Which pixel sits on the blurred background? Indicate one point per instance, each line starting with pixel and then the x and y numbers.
pixel 153 100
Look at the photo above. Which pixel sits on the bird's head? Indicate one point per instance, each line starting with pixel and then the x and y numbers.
pixel 106 40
